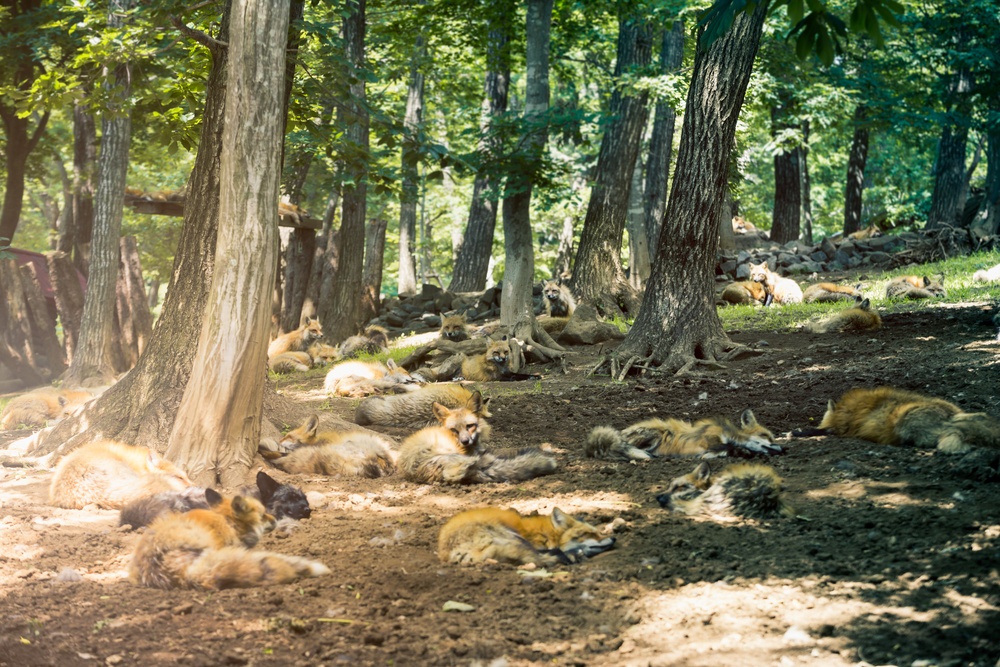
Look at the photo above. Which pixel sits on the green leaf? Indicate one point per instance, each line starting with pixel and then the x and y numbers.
pixel 795 10
pixel 824 47
pixel 871 25
pixel 858 17
pixel 804 44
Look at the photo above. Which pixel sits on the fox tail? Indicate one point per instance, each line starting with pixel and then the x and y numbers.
pixel 605 442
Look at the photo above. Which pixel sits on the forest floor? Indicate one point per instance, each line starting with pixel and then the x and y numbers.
pixel 893 558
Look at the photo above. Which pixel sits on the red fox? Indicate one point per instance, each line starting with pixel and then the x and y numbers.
pixel 914 287
pixel 110 474
pixel 824 292
pixel 375 339
pixel 742 490
pixel 356 379
pixel 452 453
pixel 990 275
pixel 208 548
pixel 38 406
pixel 490 533
pixel 743 226
pixel 867 233
pixel 349 453
pixel 860 317
pixel 557 300
pixel 321 353
pixel 493 364
pixel 707 438
pixel 455 328
pixel 780 290
pixel 744 292
pixel 286 362
pixel 414 408
pixel 298 340
pixel 896 417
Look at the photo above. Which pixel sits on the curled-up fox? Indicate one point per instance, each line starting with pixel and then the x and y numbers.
pixel 416 407
pixel 742 490
pixel 824 292
pixel 349 453
pixel 860 317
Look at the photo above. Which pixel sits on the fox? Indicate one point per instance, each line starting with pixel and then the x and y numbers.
pixel 286 362
pixel 990 275
pixel 452 452
pixel 455 328
pixel 38 406
pixel 780 290
pixel 493 364
pixel 870 232
pixel 557 300
pixel 889 416
pixel 743 226
pixel 110 474
pixel 707 438
pixel 824 292
pixel 914 287
pixel 356 379
pixel 298 340
pixel 323 354
pixel 859 317
pixel 373 340
pixel 280 500
pixel 742 490
pixel 553 325
pixel 348 453
pixel 209 549
pixel 505 535
pixel 414 409
pixel 744 292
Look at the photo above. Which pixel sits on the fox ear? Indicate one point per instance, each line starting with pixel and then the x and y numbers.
pixel 239 505
pixel 311 425
pixel 475 402
pixel 212 497
pixel 441 412
pixel 503 338
pixel 391 365
pixel 927 281
pixel 703 472
pixel 865 305
pixel 266 484
pixel 747 419
pixel 152 460
pixel 560 520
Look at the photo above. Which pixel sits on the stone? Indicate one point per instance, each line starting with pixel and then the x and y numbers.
pixel 743 272
pixel 584 329
pixel 728 267
pixel 819 256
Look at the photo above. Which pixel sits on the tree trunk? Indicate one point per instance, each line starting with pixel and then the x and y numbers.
pixel 785 218
pixel 372 276
pixel 17 349
pixel 410 159
pixel 853 196
pixel 563 268
pixel 661 142
pixel 677 323
pixel 84 159
pixel 218 424
pixel 341 315
pixel 807 215
pixel 727 237
pixel 299 259
pixel 69 299
pixel 135 322
pixel 991 223
pixel 320 263
pixel 472 264
pixel 598 275
pixel 638 257
pixel 43 327
pixel 951 185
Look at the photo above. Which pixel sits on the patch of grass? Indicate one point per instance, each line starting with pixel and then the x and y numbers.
pixel 397 354
pixel 623 324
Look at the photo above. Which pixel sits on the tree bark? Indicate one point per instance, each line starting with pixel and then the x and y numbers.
pixel 853 195
pixel 677 323
pixel 299 258
pixel 17 349
pixel 372 277
pixel 991 223
pixel 727 237
pixel 807 216
pixel 661 142
pixel 563 267
pixel 785 218
pixel 341 315
pixel 43 327
pixel 321 261
pixel 135 322
pixel 410 159
pixel 951 185
pixel 638 258
pixel 598 275
pixel 68 297
pixel 84 159
pixel 218 424
pixel 472 264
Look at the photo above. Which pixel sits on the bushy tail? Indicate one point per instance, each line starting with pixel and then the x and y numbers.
pixel 143 511
pixel 377 465
pixel 516 466
pixel 605 442
pixel 229 567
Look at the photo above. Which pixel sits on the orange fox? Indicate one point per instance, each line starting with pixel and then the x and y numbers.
pixel 208 548
pixel 743 226
pixel 867 233
pixel 707 438
pixel 452 452
pixel 823 292
pixel 321 353
pixel 780 290
pixel 38 406
pixel 860 317
pixel 744 292
pixel 296 341
pixel 110 474
pixel 356 379
pixel 286 362
pixel 557 300
pixel 491 533
pixel 896 417
pixel 414 408
pixel 493 364
pixel 914 287
pixel 746 490
pixel 455 328
pixel 349 453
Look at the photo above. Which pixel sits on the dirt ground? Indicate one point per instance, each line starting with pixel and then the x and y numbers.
pixel 892 560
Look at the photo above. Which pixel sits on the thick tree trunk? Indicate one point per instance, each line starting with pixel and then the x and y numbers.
pixel 563 266
pixel 17 349
pixel 853 195
pixel 298 268
pixel 950 186
pixel 677 323
pixel 807 215
pixel 597 273
pixel 320 263
pixel 372 276
pixel 68 297
pixel 84 160
pixel 43 327
pixel 410 161
pixel 217 429
pixel 472 263
pixel 135 322
pixel 638 256
pixel 991 223
pixel 785 218
pixel 661 142
pixel 727 237
pixel 341 315
pixel 19 146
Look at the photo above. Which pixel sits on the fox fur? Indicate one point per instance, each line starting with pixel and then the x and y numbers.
pixel 452 452
pixel 743 226
pixel 824 292
pixel 860 317
pixel 298 340
pixel 375 339
pixel 455 328
pixel 493 364
pixel 914 287
pixel 38 406
pixel 209 549
pixel 110 474
pixel 415 408
pixel 348 453
pixel 866 233
pixel 742 490
pixel 321 353
pixel 990 275
pixel 896 417
pixel 707 438
pixel 505 535
pixel 780 290
pixel 744 292
pixel 356 379
pixel 557 300
pixel 286 362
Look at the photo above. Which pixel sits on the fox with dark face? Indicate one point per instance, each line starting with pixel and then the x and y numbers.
pixel 742 490
pixel 455 328
pixel 557 300
pixel 494 364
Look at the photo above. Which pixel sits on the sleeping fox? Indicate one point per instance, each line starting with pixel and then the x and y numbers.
pixel 860 317
pixel 349 453
pixel 416 407
pixel 742 490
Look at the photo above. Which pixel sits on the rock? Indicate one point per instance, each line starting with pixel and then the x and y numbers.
pixel 743 257
pixel 819 256
pixel 829 248
pixel 430 292
pixel 743 272
pixel 785 259
pixel 878 257
pixel 68 575
pixel 433 321
pixel 848 248
pixel 728 267
pixel 811 267
pixel 796 636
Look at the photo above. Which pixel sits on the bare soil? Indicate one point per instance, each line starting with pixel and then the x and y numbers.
pixel 893 559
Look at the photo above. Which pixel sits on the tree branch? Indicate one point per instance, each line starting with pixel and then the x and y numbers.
pixel 37 134
pixel 210 43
